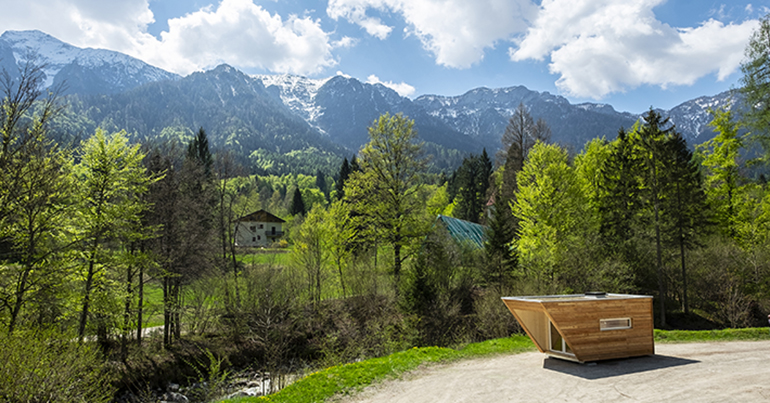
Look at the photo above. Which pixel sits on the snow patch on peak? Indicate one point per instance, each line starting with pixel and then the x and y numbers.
pixel 56 54
pixel 296 92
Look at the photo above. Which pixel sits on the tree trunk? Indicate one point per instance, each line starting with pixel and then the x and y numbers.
pixel 397 265
pixel 126 314
pixel 342 282
pixel 658 252
pixel 140 304
pixel 177 309
pixel 20 290
pixel 166 313
pixel 87 293
pixel 685 305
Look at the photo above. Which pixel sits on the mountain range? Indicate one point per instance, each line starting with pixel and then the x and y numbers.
pixel 282 123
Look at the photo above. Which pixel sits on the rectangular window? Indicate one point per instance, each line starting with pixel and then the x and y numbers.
pixel 615 324
pixel 261 226
pixel 252 228
pixel 253 239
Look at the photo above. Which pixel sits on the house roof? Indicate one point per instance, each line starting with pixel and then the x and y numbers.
pixel 464 231
pixel 261 216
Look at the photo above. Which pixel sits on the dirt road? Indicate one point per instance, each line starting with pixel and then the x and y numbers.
pixel 697 372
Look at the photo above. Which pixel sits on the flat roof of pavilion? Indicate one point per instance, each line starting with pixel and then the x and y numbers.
pixel 576 297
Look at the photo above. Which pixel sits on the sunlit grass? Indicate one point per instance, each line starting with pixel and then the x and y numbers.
pixel 267 256
pixel 347 378
pixel 691 336
pixel 153 305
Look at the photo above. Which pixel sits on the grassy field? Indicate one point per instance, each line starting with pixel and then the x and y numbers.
pixel 267 256
pixel 153 305
pixel 348 378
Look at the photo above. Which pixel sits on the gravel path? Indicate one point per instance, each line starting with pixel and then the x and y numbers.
pixel 693 372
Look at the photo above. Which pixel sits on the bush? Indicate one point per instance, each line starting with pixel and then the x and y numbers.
pixel 51 367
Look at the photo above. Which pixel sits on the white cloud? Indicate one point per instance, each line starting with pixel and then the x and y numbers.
pixel 402 88
pixel 456 32
pixel 237 32
pixel 116 25
pixel 345 42
pixel 241 33
pixel 600 47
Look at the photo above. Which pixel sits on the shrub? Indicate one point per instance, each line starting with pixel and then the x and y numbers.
pixel 51 367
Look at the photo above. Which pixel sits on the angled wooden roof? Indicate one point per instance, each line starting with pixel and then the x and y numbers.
pixel 261 216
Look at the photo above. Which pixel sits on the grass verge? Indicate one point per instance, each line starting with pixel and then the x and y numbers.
pixel 692 336
pixel 347 378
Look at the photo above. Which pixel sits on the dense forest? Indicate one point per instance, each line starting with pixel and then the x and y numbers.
pixel 105 239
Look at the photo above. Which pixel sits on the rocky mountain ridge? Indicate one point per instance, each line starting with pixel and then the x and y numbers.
pixel 84 71
pixel 327 114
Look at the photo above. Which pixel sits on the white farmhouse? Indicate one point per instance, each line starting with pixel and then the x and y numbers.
pixel 259 228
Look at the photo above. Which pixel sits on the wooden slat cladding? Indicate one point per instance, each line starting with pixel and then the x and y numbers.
pixel 578 322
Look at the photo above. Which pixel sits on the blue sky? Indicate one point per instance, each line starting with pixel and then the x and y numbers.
pixel 632 54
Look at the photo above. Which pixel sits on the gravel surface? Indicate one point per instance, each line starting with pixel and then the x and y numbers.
pixel 692 372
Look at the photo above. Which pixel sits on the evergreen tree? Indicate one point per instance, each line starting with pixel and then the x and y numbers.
pixel 354 166
pixel 297 205
pixel 500 255
pixel 653 137
pixel 320 182
pixel 198 151
pixel 343 177
pixel 684 207
pixel 472 181
pixel 619 200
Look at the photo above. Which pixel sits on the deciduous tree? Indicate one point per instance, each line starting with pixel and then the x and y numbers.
pixel 385 190
pixel 111 179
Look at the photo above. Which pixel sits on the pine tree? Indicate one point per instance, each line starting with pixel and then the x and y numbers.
pixel 343 177
pixel 320 182
pixel 653 136
pixel 685 211
pixel 471 181
pixel 198 151
pixel 500 255
pixel 297 205
pixel 619 201
pixel 354 167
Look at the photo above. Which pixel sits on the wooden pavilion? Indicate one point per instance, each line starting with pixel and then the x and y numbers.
pixel 587 327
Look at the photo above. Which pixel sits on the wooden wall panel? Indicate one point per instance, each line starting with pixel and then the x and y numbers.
pixel 578 323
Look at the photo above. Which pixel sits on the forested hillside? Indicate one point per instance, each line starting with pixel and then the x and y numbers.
pixel 234 108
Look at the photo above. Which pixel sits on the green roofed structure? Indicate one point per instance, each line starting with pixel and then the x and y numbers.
pixel 463 231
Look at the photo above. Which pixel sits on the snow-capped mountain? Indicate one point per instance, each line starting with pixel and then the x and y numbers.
pixel 344 107
pixel 84 71
pixel 691 118
pixel 296 92
pixel 483 113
